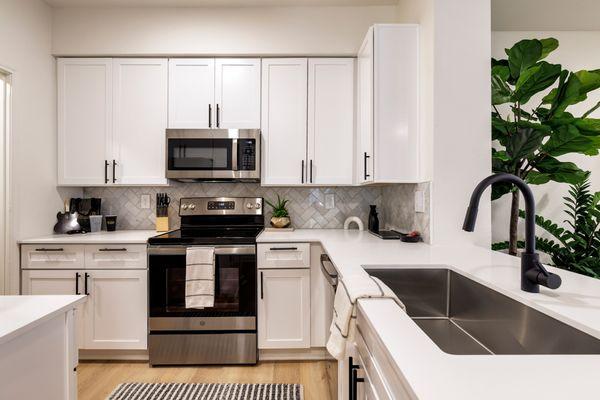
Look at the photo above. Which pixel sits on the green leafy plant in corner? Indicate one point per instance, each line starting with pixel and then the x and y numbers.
pixel 528 140
pixel 576 248
pixel 279 207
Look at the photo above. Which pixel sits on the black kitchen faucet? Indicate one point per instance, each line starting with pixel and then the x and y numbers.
pixel 533 273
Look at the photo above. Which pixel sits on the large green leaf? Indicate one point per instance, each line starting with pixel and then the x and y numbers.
pixel 548 46
pixel 587 126
pixel 567 139
pixel 501 130
pixel 535 79
pixel 574 90
pixel 537 178
pixel 501 92
pixel 523 55
pixel 524 143
pixel 500 189
pixel 559 171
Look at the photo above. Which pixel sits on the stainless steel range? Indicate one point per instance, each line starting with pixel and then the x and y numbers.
pixel 225 333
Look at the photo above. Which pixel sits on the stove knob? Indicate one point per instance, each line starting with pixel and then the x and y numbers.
pixel 258 205
pixel 249 206
pixel 192 206
pixel 184 206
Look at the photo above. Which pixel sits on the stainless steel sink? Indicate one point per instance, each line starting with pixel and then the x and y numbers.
pixel 464 317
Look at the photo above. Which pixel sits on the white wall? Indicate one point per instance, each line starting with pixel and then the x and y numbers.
pixel 577 50
pixel 455 119
pixel 25 28
pixel 214 31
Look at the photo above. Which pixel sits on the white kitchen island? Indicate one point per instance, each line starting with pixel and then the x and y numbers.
pixel 38 349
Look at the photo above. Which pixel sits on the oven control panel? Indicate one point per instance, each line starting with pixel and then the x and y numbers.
pixel 189 206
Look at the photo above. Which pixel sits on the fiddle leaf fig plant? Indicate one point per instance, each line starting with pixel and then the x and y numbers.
pixel 531 125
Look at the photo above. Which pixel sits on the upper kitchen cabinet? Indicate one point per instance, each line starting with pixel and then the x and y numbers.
pixel 191 92
pixel 112 116
pixel 84 120
pixel 140 120
pixel 308 121
pixel 284 111
pixel 388 105
pixel 214 93
pixel 330 121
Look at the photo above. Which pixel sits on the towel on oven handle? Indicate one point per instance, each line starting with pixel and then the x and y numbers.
pixel 199 277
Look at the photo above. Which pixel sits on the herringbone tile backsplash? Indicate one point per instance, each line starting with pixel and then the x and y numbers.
pixel 307 205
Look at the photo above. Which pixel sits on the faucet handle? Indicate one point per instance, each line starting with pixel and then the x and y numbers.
pixel 541 276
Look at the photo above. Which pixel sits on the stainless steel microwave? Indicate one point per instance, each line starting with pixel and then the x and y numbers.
pixel 213 155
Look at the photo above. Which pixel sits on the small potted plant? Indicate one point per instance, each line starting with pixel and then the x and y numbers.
pixel 281 216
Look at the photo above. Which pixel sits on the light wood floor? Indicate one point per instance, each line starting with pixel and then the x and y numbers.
pixel 96 380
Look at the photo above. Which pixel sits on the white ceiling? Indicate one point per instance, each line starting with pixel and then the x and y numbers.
pixel 215 3
pixel 545 15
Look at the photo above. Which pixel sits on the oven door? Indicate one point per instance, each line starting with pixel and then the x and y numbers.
pixel 213 154
pixel 235 290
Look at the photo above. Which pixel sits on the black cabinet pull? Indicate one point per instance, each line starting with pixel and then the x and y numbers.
pixel 262 293
pixel 218 116
pixel 107 249
pixel 210 116
pixel 366 157
pixel 353 378
pixel 311 180
pixel 105 171
pixel 77 275
pixel 302 171
pixel 85 284
pixel 45 249
pixel 283 248
pixel 114 171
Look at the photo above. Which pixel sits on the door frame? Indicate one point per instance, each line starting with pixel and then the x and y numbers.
pixel 5 181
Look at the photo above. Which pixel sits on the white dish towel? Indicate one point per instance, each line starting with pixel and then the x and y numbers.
pixel 199 277
pixel 349 290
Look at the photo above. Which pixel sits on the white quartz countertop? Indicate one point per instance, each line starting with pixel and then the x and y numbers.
pixel 19 314
pixel 433 374
pixel 125 236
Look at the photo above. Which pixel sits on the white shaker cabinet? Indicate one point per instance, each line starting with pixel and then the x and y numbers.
pixel 191 92
pixel 284 111
pixel 85 108
pixel 117 309
pixel 140 120
pixel 284 308
pixel 330 121
pixel 112 116
pixel 214 93
pixel 388 105
pixel 237 93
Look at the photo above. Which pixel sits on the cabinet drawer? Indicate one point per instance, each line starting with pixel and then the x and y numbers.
pixel 115 256
pixel 52 256
pixel 283 255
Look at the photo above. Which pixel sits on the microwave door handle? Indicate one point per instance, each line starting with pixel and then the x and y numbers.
pixel 234 154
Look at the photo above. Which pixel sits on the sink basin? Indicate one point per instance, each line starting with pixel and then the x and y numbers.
pixel 464 317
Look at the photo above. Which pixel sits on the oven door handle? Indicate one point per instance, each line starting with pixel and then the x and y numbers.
pixel 219 250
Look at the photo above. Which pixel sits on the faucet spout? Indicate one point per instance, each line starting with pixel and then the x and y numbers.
pixel 533 272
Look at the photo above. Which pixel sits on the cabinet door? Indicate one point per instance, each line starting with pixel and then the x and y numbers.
pixel 191 93
pixel 140 120
pixel 284 95
pixel 57 282
pixel 330 121
pixel 84 119
pixel 365 154
pixel 284 309
pixel 117 309
pixel 237 93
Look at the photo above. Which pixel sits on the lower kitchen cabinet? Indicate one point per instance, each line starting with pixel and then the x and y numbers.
pixel 114 317
pixel 284 308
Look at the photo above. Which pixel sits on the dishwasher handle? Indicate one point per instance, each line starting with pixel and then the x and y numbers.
pixel 329 272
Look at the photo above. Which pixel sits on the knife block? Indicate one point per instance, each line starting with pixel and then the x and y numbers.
pixel 162 224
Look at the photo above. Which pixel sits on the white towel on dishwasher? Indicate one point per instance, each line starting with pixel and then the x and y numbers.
pixel 349 290
pixel 199 277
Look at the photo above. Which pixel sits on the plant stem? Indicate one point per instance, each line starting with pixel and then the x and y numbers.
pixel 514 221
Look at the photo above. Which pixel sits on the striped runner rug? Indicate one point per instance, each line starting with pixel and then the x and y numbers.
pixel 206 391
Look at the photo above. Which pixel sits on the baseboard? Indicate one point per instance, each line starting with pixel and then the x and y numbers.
pixel 118 355
pixel 313 353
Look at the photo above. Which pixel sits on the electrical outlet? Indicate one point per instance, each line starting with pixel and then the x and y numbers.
pixel 329 201
pixel 145 201
pixel 420 201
